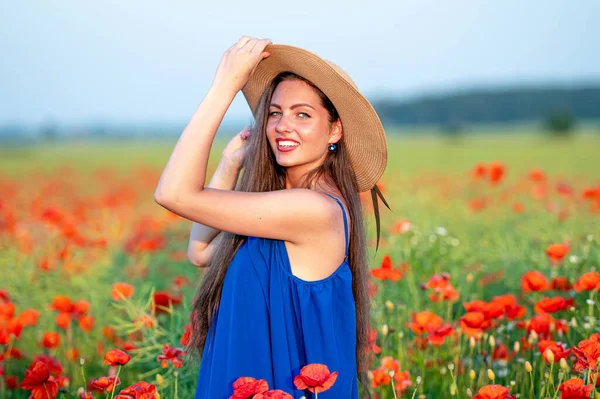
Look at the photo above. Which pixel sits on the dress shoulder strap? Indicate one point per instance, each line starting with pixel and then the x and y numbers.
pixel 345 221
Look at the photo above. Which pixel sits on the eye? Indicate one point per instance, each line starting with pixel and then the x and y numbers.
pixel 304 113
pixel 274 112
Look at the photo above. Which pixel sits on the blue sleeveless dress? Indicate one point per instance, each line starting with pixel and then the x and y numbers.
pixel 271 323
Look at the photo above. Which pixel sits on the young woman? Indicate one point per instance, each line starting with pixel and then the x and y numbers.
pixel 285 246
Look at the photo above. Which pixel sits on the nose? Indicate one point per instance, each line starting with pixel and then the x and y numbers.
pixel 283 124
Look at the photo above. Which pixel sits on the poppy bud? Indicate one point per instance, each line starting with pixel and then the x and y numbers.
pixel 549 356
pixel 453 389
pixel 389 305
pixel 491 375
pixel 472 375
pixel 528 367
pixel 563 364
pixel 385 329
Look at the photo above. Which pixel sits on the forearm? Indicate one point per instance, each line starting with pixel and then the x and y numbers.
pixel 224 178
pixel 186 169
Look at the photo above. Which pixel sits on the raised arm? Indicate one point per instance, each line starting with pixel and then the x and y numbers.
pixel 293 215
pixel 201 236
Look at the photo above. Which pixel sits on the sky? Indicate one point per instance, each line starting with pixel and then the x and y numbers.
pixel 134 61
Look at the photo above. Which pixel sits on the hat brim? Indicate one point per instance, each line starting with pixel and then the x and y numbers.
pixel 364 136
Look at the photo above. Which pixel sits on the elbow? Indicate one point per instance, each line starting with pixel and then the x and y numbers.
pixel 163 200
pixel 197 260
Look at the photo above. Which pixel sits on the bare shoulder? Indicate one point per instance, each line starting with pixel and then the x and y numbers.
pixel 320 253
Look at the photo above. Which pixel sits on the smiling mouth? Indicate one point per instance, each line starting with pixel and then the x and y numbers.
pixel 286 145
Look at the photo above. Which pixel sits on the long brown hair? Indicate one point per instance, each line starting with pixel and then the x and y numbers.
pixel 267 175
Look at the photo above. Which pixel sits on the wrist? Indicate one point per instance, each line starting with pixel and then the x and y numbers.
pixel 227 166
pixel 223 90
pixel 225 176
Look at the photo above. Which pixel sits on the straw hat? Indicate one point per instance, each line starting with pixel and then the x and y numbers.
pixel 364 137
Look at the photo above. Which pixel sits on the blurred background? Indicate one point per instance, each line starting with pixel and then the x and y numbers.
pixel 492 114
pixel 76 70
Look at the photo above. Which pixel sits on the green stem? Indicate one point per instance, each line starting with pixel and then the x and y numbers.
pixel 394 388
pixel 84 382
pixel 176 379
pixel 115 383
pixel 531 384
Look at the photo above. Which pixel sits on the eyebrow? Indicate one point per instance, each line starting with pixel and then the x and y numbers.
pixel 293 106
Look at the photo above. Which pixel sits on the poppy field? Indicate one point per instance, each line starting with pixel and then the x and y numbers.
pixel 484 285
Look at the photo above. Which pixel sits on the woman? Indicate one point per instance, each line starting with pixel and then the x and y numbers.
pixel 287 275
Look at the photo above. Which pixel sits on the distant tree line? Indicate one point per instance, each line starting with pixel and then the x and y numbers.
pixel 555 108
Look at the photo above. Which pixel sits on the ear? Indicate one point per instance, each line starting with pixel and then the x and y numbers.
pixel 336 131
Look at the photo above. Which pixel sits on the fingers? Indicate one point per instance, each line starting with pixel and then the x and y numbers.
pixel 251 44
pixel 245 133
pixel 260 45
pixel 243 41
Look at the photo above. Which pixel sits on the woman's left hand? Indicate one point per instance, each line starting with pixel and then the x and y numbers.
pixel 234 152
pixel 239 62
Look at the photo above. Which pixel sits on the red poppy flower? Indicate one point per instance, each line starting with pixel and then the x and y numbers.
pixel 496 171
pixel 534 281
pixel 121 291
pixel 425 322
pixel 512 310
pixel 315 377
pixel 139 390
pixel 163 300
pixel 558 351
pixel 274 394
pixel 442 288
pixel 553 305
pixel 438 336
pixel 389 363
pixel 587 353
pixel 171 354
pixel 86 323
pixel 402 381
pixel 557 252
pixel 116 357
pixel 386 271
pixel 29 317
pixel 493 392
pixel 473 323
pixel 53 365
pixel 63 320
pixel 39 382
pixel 187 334
pixel 105 384
pixel 537 175
pixel 560 283
pixel 479 171
pixel 588 282
pixel 575 389
pixel 51 340
pixel 247 387
pixel 373 341
pixel 62 303
pixel 380 377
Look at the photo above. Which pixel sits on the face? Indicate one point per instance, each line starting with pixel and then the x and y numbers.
pixel 298 127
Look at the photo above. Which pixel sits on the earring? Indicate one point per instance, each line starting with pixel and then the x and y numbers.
pixel 332 147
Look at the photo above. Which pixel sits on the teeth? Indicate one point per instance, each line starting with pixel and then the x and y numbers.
pixel 287 144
